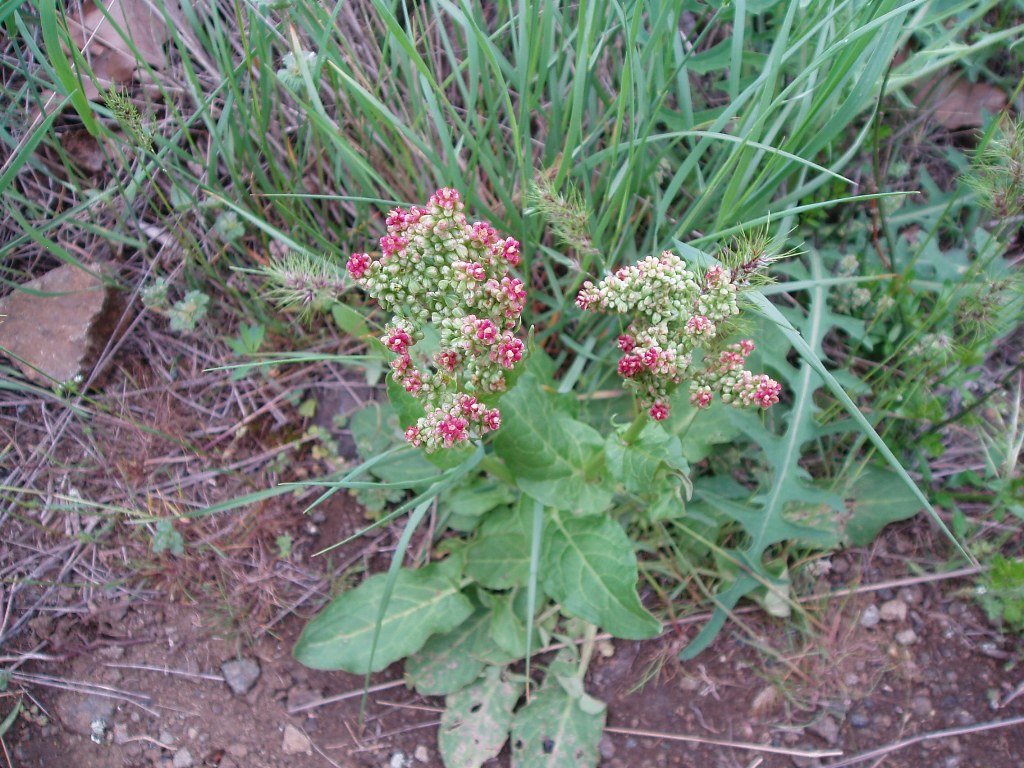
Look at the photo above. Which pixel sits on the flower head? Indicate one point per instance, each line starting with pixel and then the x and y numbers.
pixel 677 314
pixel 436 269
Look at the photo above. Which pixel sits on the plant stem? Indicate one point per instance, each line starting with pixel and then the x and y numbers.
pixel 586 650
pixel 492 465
pixel 633 431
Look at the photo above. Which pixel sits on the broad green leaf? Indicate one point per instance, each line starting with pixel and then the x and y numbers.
pixel 636 465
pixel 478 496
pixel 554 731
pixel 876 498
pixel 499 558
pixel 476 721
pixel 446 662
pixel 588 566
pixel 508 628
pixel 425 601
pixel 555 458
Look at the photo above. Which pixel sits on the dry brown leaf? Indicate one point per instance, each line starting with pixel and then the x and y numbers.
pixel 101 38
pixel 955 102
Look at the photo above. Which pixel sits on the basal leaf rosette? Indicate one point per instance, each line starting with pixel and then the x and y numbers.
pixel 437 270
pixel 678 317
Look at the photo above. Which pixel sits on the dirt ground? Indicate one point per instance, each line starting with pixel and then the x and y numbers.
pixel 140 683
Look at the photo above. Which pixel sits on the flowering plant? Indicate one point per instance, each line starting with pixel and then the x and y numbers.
pixel 547 500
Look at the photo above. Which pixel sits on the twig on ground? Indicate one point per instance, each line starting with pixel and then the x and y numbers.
pixel 723 743
pixel 1012 695
pixel 168 671
pixel 344 696
pixel 92 689
pixel 897 745
pixel 372 745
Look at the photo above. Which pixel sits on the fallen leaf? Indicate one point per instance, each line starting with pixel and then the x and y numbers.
pixel 114 36
pixel 955 102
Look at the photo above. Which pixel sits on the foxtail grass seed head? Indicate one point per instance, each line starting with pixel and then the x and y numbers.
pixel 437 269
pixel 997 173
pixel 677 315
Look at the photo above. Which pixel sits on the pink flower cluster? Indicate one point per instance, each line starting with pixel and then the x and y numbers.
pixel 436 270
pixel 677 313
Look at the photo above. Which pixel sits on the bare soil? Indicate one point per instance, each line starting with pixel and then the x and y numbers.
pixel 149 671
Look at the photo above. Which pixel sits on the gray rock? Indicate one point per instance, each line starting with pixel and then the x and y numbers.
pixel 921 706
pixel 295 742
pixel 182 759
pixel 240 675
pixel 964 718
pixel 870 617
pixel 237 750
pixel 911 595
pixel 906 637
pixel 59 323
pixel 893 610
pixel 827 728
pixel 121 733
pixel 859 719
pixel 421 754
pixel 78 713
pixel 800 761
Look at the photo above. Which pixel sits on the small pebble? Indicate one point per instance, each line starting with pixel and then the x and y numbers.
pixel 166 738
pixel 800 761
pixel 893 610
pixel 921 706
pixel 911 595
pixel 906 637
pixel 237 750
pixel 182 759
pixel 963 717
pixel 827 728
pixel 240 675
pixel 421 754
pixel 870 616
pixel 606 747
pixel 859 720
pixel 295 742
pixel 120 733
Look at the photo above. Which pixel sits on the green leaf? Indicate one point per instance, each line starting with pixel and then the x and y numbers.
pixel 476 721
pixel 636 465
pixel 425 601
pixel 590 569
pixel 876 498
pixel 446 662
pixel 549 452
pixel 508 628
pixel 554 731
pixel 499 558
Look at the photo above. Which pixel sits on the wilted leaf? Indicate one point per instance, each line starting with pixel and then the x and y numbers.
pixel 476 721
pixel 956 102
pixel 555 731
pixel 447 663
